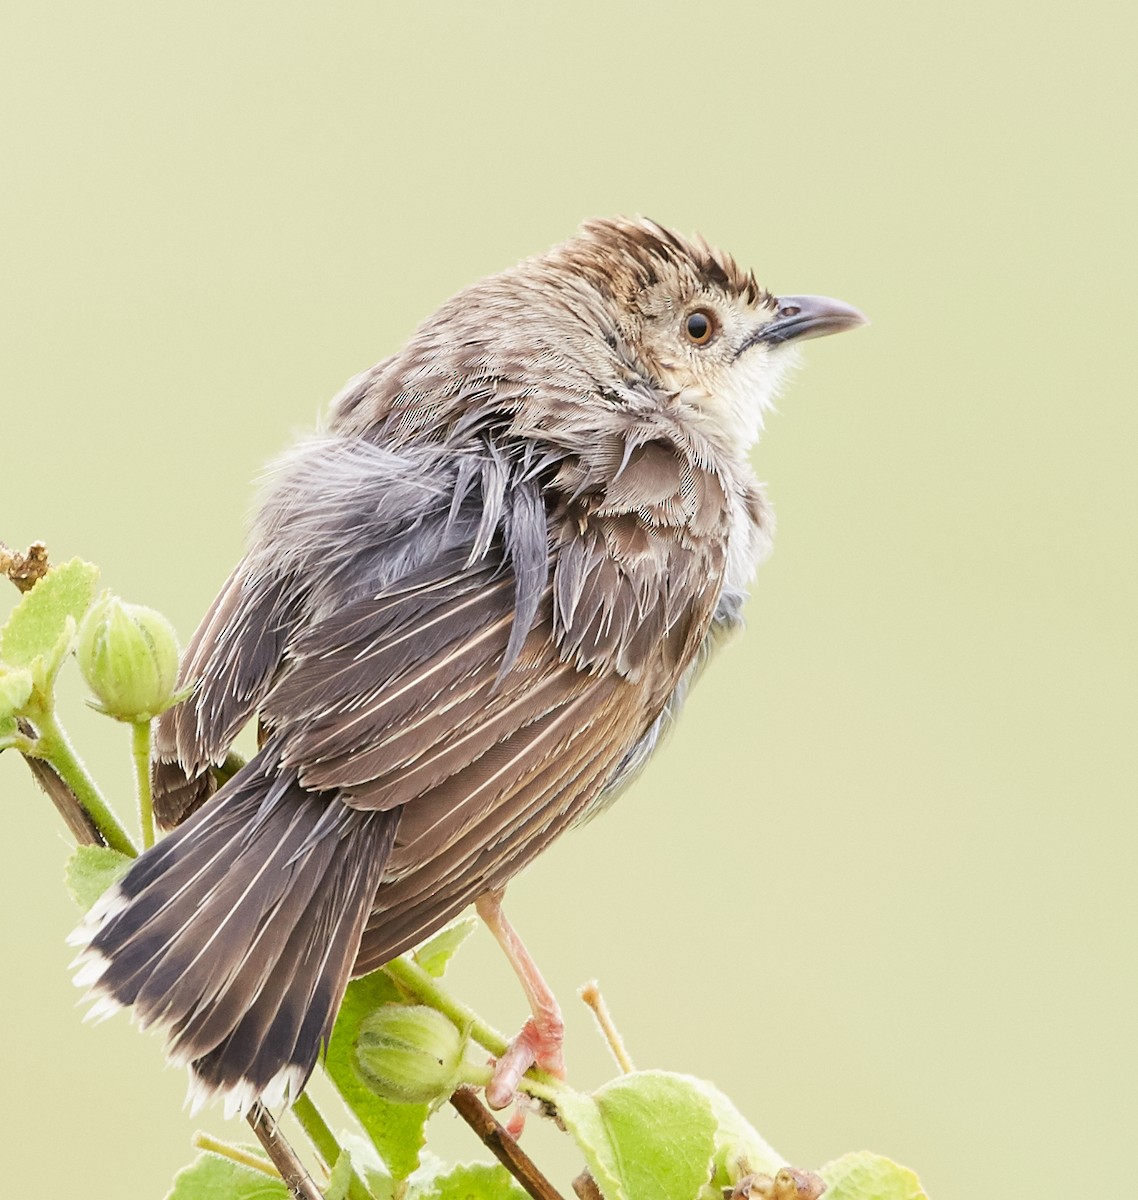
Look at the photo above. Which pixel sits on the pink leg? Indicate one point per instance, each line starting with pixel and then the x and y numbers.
pixel 540 1041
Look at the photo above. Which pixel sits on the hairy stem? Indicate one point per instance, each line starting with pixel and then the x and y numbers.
pixel 322 1137
pixel 421 985
pixel 54 745
pixel 77 820
pixel 411 977
pixel 203 1141
pixel 140 745
pixel 591 994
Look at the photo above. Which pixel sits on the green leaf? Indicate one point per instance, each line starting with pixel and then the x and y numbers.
pixel 91 870
pixel 472 1181
pixel 15 688
pixel 396 1130
pixel 340 1178
pixel 865 1176
pixel 211 1177
pixel 37 626
pixel 739 1148
pixel 433 956
pixel 651 1133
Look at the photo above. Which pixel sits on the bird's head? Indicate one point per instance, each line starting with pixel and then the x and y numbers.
pixel 691 321
pixel 624 309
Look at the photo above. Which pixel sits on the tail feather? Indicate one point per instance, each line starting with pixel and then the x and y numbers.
pixel 237 933
pixel 309 976
pixel 261 941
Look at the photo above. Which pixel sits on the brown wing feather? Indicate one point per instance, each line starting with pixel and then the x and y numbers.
pixel 485 767
pixel 486 724
pixel 434 889
pixel 230 661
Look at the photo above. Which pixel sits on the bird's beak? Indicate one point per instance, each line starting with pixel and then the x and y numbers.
pixel 802 317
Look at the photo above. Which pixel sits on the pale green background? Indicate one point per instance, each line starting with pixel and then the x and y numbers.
pixel 880 885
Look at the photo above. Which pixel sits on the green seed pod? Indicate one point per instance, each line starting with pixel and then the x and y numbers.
pixel 410 1053
pixel 129 657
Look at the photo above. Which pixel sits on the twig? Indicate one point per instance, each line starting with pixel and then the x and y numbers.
pixel 591 994
pixel 284 1157
pixel 504 1148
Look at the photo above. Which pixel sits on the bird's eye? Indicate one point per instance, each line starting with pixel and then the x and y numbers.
pixel 700 327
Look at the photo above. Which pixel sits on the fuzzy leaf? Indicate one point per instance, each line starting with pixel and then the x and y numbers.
pixel 15 687
pixel 396 1130
pixel 865 1176
pixel 433 956
pixel 651 1133
pixel 211 1177
pixel 91 870
pixel 36 627
pixel 471 1181
pixel 340 1178
pixel 739 1148
pixel 369 1166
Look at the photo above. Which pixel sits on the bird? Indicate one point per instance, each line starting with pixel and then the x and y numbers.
pixel 471 604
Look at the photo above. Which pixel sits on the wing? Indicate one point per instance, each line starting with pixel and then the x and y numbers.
pixel 342 519
pixel 401 701
pixel 488 685
pixel 231 659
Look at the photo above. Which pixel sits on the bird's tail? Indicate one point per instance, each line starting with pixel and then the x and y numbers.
pixel 236 934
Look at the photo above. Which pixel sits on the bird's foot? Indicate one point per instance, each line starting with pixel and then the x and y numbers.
pixel 539 1044
pixel 542 1036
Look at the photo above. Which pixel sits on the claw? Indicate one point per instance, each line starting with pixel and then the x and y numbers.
pixel 538 1044
pixel 516 1123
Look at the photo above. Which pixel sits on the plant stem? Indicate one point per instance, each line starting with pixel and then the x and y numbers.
pixel 423 986
pixel 322 1137
pixel 254 1162
pixel 591 994
pixel 77 819
pixel 140 745
pixel 412 978
pixel 232 764
pixel 54 745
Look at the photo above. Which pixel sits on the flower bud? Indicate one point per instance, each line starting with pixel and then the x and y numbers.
pixel 129 657
pixel 410 1053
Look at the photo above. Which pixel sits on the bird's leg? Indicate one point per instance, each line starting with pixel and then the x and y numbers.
pixel 540 1041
